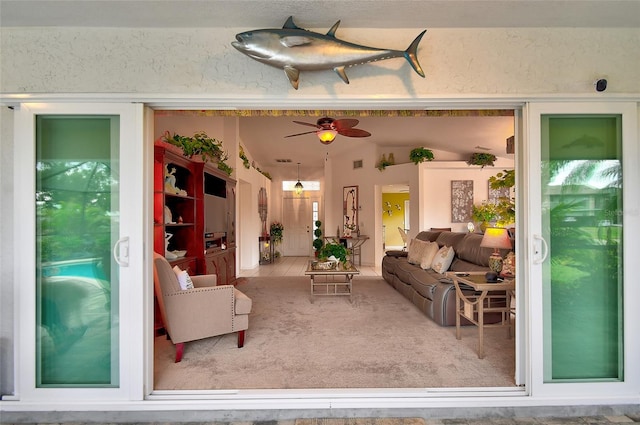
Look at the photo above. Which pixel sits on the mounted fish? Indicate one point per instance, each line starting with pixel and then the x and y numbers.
pixel 295 49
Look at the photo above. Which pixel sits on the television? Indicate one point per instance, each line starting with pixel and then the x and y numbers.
pixel 215 204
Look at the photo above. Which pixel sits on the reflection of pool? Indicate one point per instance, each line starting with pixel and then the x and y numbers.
pixel 87 267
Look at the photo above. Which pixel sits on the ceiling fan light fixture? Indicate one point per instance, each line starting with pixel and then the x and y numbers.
pixel 326 136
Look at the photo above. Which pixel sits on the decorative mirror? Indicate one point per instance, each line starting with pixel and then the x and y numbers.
pixel 350 209
pixel 262 209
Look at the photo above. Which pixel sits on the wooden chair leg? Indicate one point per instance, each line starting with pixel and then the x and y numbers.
pixel 240 339
pixel 179 351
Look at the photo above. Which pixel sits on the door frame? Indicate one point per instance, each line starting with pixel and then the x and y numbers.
pixel 534 251
pixel 131 293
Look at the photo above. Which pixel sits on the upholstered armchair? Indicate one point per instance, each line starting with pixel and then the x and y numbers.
pixel 204 311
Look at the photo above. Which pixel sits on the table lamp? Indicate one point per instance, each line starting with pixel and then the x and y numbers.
pixel 496 238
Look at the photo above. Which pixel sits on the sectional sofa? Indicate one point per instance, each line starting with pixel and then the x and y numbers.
pixel 429 290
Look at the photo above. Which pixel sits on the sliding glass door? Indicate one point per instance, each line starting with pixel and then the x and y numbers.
pixel 585 192
pixel 82 168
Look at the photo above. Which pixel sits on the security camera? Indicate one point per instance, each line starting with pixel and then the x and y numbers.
pixel 601 84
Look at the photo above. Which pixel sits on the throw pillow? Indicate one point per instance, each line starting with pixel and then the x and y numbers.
pixel 416 249
pixel 443 259
pixel 183 278
pixel 429 253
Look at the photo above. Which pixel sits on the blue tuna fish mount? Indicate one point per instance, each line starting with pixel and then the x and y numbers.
pixel 295 49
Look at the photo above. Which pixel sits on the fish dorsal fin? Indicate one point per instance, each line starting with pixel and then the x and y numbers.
pixel 293 74
pixel 333 29
pixel 342 73
pixel 295 40
pixel 290 25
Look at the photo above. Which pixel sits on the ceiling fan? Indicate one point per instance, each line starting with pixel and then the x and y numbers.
pixel 327 129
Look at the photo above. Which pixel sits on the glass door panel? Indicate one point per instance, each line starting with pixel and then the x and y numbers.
pixel 80 180
pixel 77 211
pixel 582 223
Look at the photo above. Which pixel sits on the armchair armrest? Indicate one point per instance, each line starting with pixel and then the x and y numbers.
pixel 204 280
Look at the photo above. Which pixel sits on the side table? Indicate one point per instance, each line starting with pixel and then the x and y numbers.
pixel 487 298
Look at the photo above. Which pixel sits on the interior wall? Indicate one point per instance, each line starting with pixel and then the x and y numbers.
pixel 436 201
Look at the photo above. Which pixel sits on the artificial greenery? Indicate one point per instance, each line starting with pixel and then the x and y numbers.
pixel 223 166
pixel 482 159
pixel 318 241
pixel 243 157
pixel 501 180
pixel 200 144
pixel 384 162
pixel 337 250
pixel 419 155
pixel 276 231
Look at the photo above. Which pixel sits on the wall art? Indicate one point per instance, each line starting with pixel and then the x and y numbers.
pixel 461 200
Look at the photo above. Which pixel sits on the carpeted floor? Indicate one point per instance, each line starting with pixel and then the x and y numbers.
pixel 380 340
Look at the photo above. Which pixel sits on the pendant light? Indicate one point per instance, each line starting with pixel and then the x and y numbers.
pixel 298 187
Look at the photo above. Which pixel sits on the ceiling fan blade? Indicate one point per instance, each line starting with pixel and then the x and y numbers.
pixel 345 123
pixel 354 132
pixel 300 134
pixel 307 123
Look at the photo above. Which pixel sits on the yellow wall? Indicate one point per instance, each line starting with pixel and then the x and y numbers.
pixel 396 219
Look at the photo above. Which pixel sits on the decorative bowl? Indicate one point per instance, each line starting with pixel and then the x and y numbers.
pixel 180 253
pixel 324 265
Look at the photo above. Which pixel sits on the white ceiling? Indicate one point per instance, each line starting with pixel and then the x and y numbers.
pixel 253 14
pixel 451 138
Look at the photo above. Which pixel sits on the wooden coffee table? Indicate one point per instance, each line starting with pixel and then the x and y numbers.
pixel 337 282
pixel 488 297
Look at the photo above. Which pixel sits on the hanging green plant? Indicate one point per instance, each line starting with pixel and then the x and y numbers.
pixel 482 159
pixel 200 143
pixel 223 166
pixel 419 155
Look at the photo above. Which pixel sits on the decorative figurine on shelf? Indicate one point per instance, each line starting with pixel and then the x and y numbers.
pixel 168 254
pixel 168 217
pixel 170 180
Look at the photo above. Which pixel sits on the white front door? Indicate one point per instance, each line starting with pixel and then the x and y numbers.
pixel 79 196
pixel 584 224
pixel 297 218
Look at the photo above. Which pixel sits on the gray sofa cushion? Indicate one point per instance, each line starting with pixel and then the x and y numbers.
pixel 450 239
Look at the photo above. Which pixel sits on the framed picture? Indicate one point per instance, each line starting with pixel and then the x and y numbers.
pixel 496 194
pixel 349 209
pixel 461 200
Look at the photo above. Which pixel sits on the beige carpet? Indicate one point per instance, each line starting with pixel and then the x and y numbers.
pixel 380 340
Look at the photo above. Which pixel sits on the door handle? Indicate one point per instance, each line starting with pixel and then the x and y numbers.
pixel 545 250
pixel 121 251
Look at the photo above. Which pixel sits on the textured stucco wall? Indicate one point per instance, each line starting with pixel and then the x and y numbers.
pixel 201 61
pixel 458 63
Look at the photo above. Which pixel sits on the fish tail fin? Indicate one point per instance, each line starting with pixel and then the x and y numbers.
pixel 411 54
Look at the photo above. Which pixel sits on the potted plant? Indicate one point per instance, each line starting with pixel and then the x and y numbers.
pixel 384 162
pixel 484 214
pixel 336 250
pixel 200 144
pixel 482 159
pixel 318 242
pixel 276 231
pixel 419 155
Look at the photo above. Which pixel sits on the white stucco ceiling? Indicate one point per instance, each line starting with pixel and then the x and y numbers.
pixel 253 14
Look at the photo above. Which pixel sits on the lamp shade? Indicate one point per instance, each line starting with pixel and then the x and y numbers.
pixel 496 238
pixel 326 136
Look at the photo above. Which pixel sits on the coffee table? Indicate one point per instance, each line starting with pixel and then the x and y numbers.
pixel 336 282
pixel 488 297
